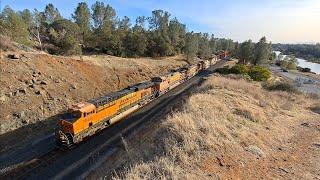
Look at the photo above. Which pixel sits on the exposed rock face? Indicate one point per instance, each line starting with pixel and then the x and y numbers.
pixel 45 85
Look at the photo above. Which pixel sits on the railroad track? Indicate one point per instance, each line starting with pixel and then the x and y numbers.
pixel 34 165
pixel 82 158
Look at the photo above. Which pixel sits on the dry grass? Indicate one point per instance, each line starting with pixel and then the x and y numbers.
pixel 7 44
pixel 225 127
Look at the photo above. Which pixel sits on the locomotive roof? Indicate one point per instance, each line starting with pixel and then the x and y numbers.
pixel 82 106
pixel 100 101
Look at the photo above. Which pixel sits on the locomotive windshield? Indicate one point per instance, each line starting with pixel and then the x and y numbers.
pixel 72 115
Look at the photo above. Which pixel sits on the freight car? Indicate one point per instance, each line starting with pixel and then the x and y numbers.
pixel 206 64
pixel 87 118
pixel 222 54
pixel 167 82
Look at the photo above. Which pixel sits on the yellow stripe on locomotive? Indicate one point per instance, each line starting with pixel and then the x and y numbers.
pixel 81 117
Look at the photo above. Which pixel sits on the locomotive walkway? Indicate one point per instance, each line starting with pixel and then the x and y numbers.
pixel 41 160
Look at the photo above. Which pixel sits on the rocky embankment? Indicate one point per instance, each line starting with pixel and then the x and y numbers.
pixel 36 87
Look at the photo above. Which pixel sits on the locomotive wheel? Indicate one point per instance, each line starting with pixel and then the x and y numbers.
pixel 70 139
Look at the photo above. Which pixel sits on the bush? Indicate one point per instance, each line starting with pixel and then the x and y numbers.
pixel 239 69
pixel 303 69
pixel 289 63
pixel 223 70
pixel 258 73
pixel 281 86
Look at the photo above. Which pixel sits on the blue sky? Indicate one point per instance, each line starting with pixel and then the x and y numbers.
pixel 286 21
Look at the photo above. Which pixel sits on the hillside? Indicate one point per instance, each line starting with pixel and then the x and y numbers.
pixel 227 129
pixel 37 86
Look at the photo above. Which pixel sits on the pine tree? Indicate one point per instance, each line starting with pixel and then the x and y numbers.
pixel 82 16
pixel 191 47
pixel 204 46
pixel 246 52
pixel 51 14
pixel 159 41
pixel 262 52
pixel 104 19
pixel 177 32
pixel 12 25
pixel 65 35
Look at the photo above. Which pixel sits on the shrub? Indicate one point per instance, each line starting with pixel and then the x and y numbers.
pixel 239 69
pixel 223 70
pixel 289 63
pixel 303 69
pixel 292 65
pixel 281 86
pixel 258 73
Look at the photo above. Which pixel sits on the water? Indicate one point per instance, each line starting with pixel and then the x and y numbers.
pixel 315 67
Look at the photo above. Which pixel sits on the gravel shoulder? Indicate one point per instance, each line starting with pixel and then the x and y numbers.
pixel 305 82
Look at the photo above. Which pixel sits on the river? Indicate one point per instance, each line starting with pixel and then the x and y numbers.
pixel 315 67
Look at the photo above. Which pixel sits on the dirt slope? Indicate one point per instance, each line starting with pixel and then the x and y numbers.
pixel 228 129
pixel 35 87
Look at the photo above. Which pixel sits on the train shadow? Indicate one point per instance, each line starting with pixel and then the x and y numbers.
pixel 28 134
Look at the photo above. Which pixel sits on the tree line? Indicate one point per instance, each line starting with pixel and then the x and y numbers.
pixel 256 53
pixel 309 52
pixel 98 29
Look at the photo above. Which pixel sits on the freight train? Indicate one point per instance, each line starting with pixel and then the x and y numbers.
pixel 87 118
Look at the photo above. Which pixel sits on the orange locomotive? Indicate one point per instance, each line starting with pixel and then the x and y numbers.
pixel 86 118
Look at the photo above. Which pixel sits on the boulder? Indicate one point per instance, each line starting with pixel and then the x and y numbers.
pixel 43 82
pixel 255 150
pixel 14 56
pixel 22 91
pixel 38 92
pixel 57 81
pixel 25 121
pixel 19 114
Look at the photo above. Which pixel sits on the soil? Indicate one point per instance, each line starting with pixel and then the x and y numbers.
pixel 36 87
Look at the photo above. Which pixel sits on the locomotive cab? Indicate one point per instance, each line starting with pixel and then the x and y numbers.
pixel 71 121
